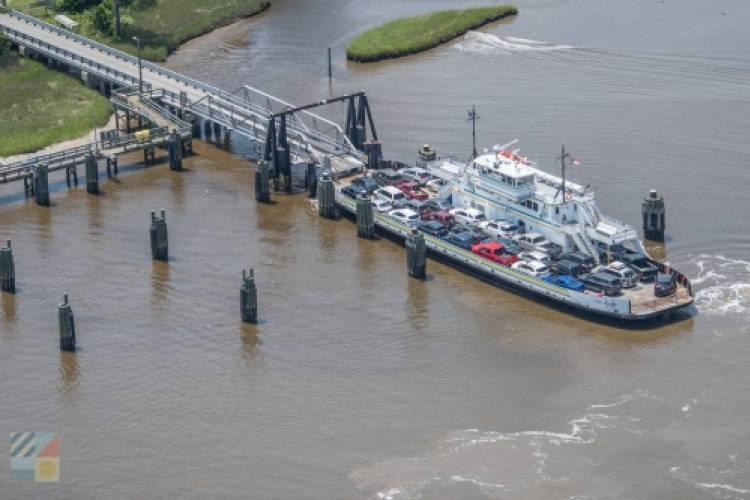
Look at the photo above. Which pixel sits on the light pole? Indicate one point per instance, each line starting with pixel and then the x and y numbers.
pixel 140 65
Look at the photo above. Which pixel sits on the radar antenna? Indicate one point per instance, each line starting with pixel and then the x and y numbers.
pixel 473 117
pixel 563 157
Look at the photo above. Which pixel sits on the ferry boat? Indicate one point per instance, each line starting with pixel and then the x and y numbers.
pixel 504 185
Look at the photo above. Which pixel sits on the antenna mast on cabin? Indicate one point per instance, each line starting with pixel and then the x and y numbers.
pixel 563 156
pixel 473 117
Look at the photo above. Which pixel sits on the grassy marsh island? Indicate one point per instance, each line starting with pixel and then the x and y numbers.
pixel 162 25
pixel 419 33
pixel 40 107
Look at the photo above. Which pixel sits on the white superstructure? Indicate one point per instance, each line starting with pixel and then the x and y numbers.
pixel 505 185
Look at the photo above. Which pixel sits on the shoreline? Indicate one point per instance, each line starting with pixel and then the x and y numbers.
pixel 90 135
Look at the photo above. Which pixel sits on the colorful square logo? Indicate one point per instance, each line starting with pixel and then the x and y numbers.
pixel 35 456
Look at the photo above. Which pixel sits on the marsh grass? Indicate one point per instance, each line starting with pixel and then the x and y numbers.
pixel 415 34
pixel 40 107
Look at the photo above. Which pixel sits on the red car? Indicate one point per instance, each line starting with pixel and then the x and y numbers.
pixel 495 252
pixel 412 190
pixel 442 216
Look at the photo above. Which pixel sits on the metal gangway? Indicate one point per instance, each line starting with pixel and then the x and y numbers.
pixel 247 111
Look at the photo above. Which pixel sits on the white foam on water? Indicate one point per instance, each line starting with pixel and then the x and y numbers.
pixel 726 487
pixel 486 43
pixel 499 464
pixel 723 285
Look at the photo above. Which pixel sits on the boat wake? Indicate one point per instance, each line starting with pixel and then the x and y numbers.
pixel 486 43
pixel 723 285
pixel 474 463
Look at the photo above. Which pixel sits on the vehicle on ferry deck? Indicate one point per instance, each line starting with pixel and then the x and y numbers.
pixel 387 177
pixel 568 267
pixel 353 190
pixel 435 185
pixel 566 281
pixel 463 239
pixel 495 252
pixel 601 282
pixel 475 231
pixel 380 205
pixel 499 227
pixel 510 245
pixel 416 174
pixel 532 268
pixel 392 195
pixel 587 262
pixel 665 285
pixel 367 183
pixel 470 215
pixel 412 190
pixel 628 277
pixel 638 262
pixel 439 204
pixel 532 241
pixel 434 228
pixel 417 206
pixel 614 252
pixel 537 256
pixel 439 215
pixel 405 215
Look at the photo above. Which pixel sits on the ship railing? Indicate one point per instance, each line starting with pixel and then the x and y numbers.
pixel 679 277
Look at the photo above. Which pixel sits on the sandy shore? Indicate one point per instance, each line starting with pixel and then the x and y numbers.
pixel 90 136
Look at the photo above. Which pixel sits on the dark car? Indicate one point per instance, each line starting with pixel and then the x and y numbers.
pixel 416 205
pixel 601 282
pixel 387 177
pixel 568 267
pixel 585 261
pixel 438 204
pixel 475 231
pixel 367 183
pixel 616 252
pixel 665 284
pixel 438 215
pixel 464 240
pixel 510 245
pixel 639 263
pixel 434 228
pixel 353 190
pixel 566 281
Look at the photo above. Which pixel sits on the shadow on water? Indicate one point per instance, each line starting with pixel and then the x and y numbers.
pixel 417 303
pixel 160 286
pixel 250 341
pixel 69 371
pixel 9 305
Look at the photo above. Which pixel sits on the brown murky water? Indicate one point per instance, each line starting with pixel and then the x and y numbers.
pixel 359 382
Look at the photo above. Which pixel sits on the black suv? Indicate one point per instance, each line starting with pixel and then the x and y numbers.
pixel 387 177
pixel 568 267
pixel 639 263
pixel 580 258
pixel 366 183
pixel 601 282
pixel 666 284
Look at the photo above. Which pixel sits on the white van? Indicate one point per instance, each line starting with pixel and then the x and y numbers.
pixel 467 215
pixel 394 196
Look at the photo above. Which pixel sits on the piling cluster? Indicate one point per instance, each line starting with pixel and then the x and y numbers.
pixel 40 184
pixel 92 174
pixel 159 240
pixel 654 216
pixel 326 196
pixel 416 255
pixel 365 217
pixel 66 323
pixel 262 176
pixel 248 297
pixel 174 149
pixel 7 269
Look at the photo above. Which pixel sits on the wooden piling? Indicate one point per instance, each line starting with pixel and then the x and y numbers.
pixel 654 214
pixel 174 147
pixel 66 323
pixel 41 185
pixel 326 196
pixel 416 255
pixel 248 297
pixel 159 237
pixel 92 174
pixel 365 217
pixel 7 269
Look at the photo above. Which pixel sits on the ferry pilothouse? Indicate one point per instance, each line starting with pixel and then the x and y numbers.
pixel 505 185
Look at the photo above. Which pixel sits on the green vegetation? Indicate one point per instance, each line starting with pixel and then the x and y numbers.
pixel 162 25
pixel 40 107
pixel 415 34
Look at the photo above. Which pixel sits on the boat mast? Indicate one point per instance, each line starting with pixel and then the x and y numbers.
pixel 563 156
pixel 473 117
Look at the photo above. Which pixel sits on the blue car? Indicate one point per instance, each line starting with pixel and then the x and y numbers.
pixel 464 240
pixel 566 281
